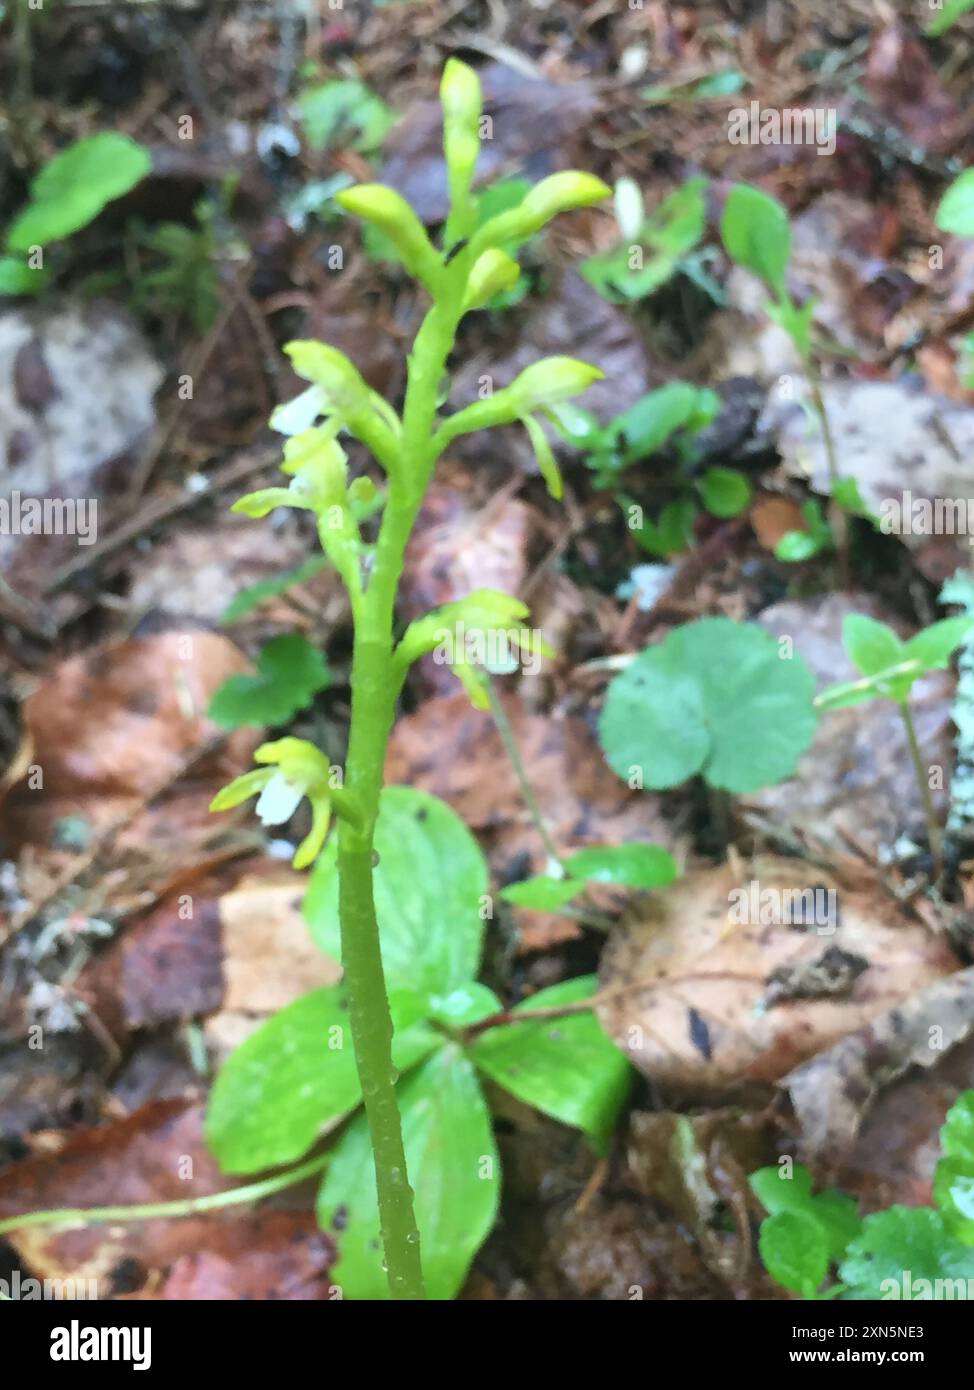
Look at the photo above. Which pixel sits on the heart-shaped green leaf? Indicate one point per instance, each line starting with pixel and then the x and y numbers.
pixel 717 698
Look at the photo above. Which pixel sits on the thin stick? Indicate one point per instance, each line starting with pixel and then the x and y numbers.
pixel 514 754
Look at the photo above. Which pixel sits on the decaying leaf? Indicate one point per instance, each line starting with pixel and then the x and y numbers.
pixel 685 977
pixel 831 1092
pixel 157 1154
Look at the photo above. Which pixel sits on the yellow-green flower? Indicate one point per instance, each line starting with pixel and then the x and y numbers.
pixel 294 769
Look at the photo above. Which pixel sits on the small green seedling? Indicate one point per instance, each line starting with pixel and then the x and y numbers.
pixel 344 112
pixel 757 235
pixel 470 268
pixel 635 866
pixel 653 247
pixel 182 277
pixel 68 193
pixel 956 215
pixel 672 416
pixel 909 1253
pixel 717 699
pixel 296 1077
pixel 890 667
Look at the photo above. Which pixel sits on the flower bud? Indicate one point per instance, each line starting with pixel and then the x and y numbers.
pixel 558 193
pixel 345 392
pixel 494 272
pixel 389 211
pixel 551 380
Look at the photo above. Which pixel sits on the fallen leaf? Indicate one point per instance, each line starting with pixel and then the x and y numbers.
pixel 157 1154
pixel 831 1092
pixel 684 980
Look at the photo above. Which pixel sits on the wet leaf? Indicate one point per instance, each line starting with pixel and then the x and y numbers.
pixel 453 1169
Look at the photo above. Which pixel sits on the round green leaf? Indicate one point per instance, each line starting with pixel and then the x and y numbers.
pixel 565 1067
pixel 714 698
pixel 795 1251
pixel 725 491
pixel 796 546
pixel 630 866
pixel 430 886
pixel 294 1075
pixel 453 1169
pixel 72 189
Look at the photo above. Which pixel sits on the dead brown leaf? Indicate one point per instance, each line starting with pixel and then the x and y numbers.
pixel 685 981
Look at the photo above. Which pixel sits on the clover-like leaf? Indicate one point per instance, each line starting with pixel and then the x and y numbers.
pixel 715 698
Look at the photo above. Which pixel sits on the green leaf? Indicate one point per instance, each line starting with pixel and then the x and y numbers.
pixel 756 234
pixel 796 321
pixel 345 113
pixel 935 645
pixel 289 673
pixel 430 886
pixel 871 645
pixel 714 698
pixel 835 1212
pixel 952 11
pixel 297 1073
pixel 453 1169
pixel 646 426
pixel 255 594
pixel 71 190
pixel 907 1253
pixel 794 1249
pixel 630 866
pixel 565 1067
pixel 461 1007
pixel 16 277
pixel 849 497
pixel 542 893
pixel 796 546
pixel 725 491
pixel 670 232
pixel 953 1186
pixel 716 84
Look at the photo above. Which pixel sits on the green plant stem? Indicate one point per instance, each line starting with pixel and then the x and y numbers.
pixel 517 763
pixel 155 1211
pixel 934 834
pixel 375 688
pixel 838 520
